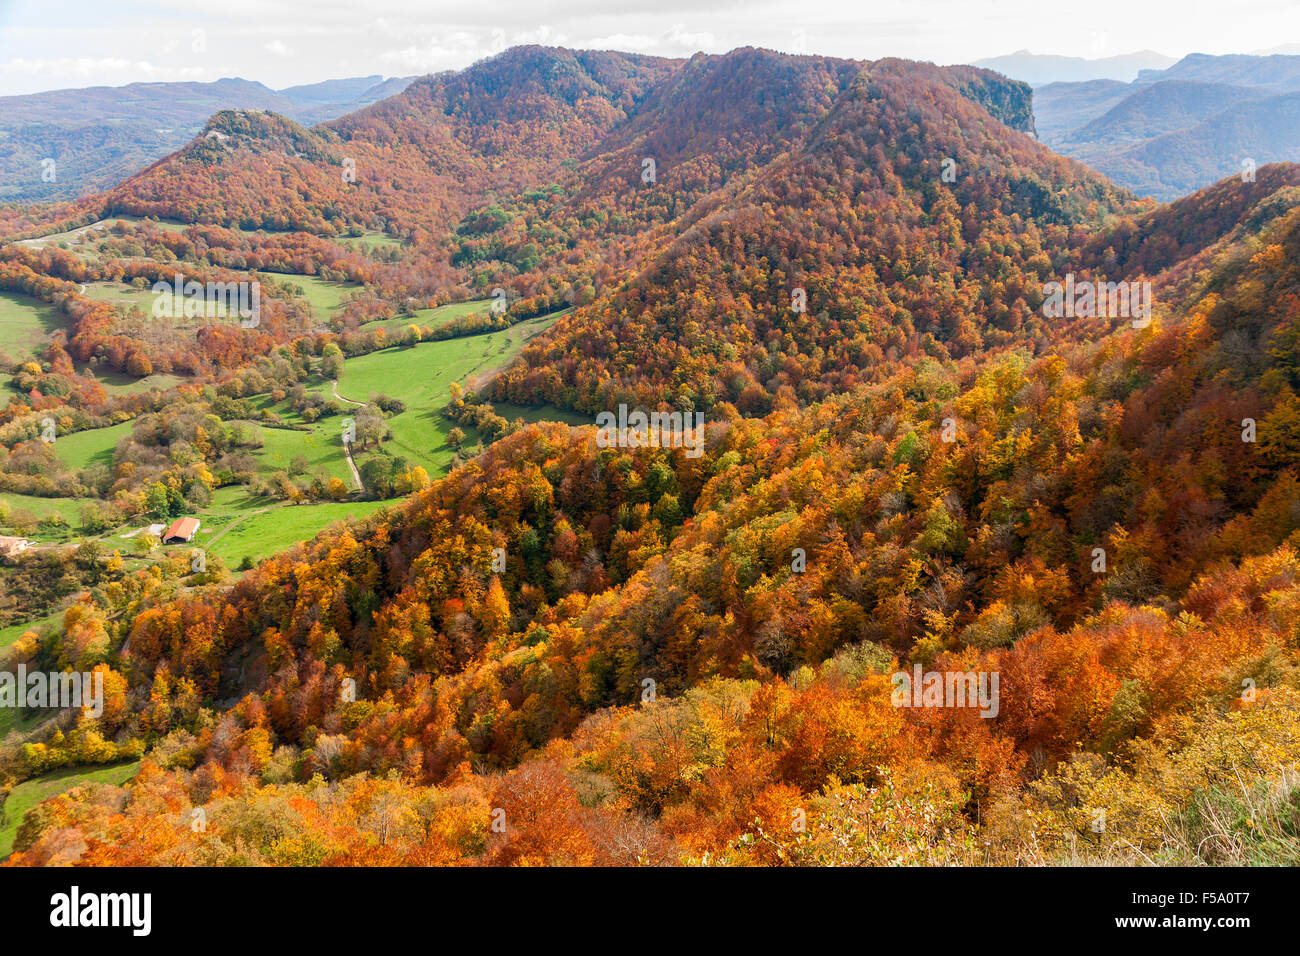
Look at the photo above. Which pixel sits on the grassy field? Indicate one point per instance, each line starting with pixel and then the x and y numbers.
pixel 31 792
pixel 91 447
pixel 70 238
pixel 236 525
pixel 25 324
pixel 370 240
pixel 11 718
pixel 229 504
pixel 322 295
pixel 40 508
pixel 14 631
pixel 542 413
pixel 433 318
pixel 166 225
pixel 119 383
pixel 322 447
pixel 421 376
pixel 126 297
pixel 86 234
pixel 120 294
pixel 259 535
pixel 436 318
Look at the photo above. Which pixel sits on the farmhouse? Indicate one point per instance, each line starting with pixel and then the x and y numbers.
pixel 182 529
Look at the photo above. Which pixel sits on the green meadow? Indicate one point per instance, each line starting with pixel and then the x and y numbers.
pixel 119 383
pixel 543 413
pixel 321 446
pixel 368 241
pixel 443 314
pixel 8 635
pixel 90 233
pixel 124 296
pixel 91 447
pixel 37 508
pixel 258 535
pixel 25 324
pixel 120 294
pixel 236 524
pixel 421 376
pixel 323 295
pixel 433 318
pixel 69 238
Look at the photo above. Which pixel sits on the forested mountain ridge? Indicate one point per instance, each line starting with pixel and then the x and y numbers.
pixel 695 585
pixel 455 161
pixel 865 200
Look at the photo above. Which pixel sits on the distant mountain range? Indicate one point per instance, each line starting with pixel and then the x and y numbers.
pixel 1037 70
pixel 100 135
pixel 1170 132
pixel 1158 126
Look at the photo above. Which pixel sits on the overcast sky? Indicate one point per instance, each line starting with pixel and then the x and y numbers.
pixel 53 44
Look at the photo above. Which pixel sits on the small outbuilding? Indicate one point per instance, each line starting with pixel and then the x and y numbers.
pixel 182 529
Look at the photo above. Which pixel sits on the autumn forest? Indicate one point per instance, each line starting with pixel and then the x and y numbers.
pixel 902 567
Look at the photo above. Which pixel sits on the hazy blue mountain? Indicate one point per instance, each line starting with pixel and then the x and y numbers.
pixel 1265 130
pixel 1278 72
pixel 1039 69
pixel 1158 109
pixel 1173 131
pixel 332 91
pixel 1062 107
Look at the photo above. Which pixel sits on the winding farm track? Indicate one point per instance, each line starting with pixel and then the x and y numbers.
pixel 347 448
pixel 334 387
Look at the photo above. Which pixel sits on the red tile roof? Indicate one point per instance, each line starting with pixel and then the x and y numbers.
pixel 183 528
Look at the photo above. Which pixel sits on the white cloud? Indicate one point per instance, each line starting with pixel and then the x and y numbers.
pixel 439 53
pixel 77 65
pixel 680 38
pixel 277 48
pixel 461 48
pixel 92 71
pixel 672 42
pixel 631 42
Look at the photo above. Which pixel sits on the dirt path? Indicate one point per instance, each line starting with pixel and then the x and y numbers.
pixel 334 387
pixel 352 466
pixel 347 448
